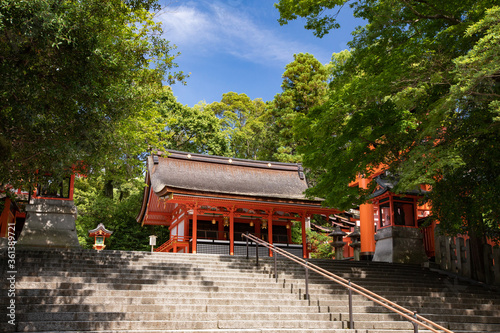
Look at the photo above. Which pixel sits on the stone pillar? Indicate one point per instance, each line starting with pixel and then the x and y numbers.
pixel 355 243
pixel 50 223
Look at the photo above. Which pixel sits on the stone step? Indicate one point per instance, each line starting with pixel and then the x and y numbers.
pixel 337 309
pixel 197 308
pixel 429 305
pixel 154 267
pixel 82 271
pixel 151 268
pixel 77 290
pixel 173 316
pixel 210 259
pixel 127 300
pixel 254 330
pixel 121 325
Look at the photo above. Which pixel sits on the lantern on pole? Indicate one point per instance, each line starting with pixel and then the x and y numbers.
pixel 152 241
pixel 100 234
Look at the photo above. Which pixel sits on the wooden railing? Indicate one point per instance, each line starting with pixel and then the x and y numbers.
pixel 168 245
pixel 412 316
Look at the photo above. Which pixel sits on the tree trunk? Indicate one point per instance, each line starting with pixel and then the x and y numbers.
pixel 108 189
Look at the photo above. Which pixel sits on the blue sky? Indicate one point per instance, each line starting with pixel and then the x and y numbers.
pixel 238 45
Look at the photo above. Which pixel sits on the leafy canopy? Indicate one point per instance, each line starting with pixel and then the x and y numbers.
pixel 72 75
pixel 304 87
pixel 418 93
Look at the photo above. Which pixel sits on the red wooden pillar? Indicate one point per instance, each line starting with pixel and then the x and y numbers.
pixel 220 229
pixel 366 227
pixel 186 224
pixel 304 238
pixel 5 218
pixel 391 210
pixel 195 229
pixel 231 232
pixel 289 232
pixel 270 230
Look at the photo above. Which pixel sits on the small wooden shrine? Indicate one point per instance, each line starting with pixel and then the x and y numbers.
pixel 100 233
pixel 209 201
pixel 390 223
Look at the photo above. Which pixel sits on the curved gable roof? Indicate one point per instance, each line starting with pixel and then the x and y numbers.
pixel 204 174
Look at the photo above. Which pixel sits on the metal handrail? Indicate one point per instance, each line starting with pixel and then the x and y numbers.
pixel 412 316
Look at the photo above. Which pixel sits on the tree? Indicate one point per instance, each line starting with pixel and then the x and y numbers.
pixel 195 129
pixel 117 213
pixel 71 74
pixel 304 87
pixel 419 94
pixel 245 124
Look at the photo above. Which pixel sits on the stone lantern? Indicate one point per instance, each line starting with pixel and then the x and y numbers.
pixel 338 242
pixel 100 234
pixel 355 237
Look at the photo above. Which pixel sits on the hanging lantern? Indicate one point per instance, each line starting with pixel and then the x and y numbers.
pixel 213 220
pixel 251 223
pixel 226 221
pixel 288 226
pixel 264 224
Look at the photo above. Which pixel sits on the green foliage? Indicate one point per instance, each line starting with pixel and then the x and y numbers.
pixel 296 232
pixel 196 129
pixel 314 12
pixel 304 87
pixel 74 76
pixel 321 245
pixel 418 93
pixel 117 214
pixel 245 124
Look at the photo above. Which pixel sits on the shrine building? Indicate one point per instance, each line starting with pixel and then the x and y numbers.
pixel 208 202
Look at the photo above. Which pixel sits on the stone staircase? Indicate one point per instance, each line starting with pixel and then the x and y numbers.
pixel 115 291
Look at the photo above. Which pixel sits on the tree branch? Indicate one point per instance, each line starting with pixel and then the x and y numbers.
pixel 448 18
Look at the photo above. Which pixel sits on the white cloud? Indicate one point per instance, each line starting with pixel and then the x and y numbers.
pixel 218 28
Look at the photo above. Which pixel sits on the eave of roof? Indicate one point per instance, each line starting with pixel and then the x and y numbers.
pixel 214 175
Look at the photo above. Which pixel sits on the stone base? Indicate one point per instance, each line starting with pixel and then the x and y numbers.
pixel 50 223
pixel 400 245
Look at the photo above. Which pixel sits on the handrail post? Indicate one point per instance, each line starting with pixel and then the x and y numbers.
pixel 247 244
pixel 351 320
pixel 307 281
pixel 415 325
pixel 275 266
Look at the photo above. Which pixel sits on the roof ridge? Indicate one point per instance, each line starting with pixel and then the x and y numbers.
pixel 169 153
